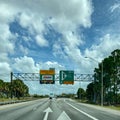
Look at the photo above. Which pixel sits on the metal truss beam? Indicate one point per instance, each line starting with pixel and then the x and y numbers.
pixel 27 76
pixel 36 77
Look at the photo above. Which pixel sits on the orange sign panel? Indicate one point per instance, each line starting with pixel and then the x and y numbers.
pixel 68 82
pixel 47 72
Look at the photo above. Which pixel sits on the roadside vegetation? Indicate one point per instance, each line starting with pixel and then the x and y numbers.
pixel 111 82
pixel 17 88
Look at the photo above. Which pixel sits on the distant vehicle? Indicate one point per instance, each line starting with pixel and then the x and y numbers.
pixel 51 96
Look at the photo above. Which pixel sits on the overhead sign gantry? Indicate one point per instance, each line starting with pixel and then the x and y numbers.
pixel 49 77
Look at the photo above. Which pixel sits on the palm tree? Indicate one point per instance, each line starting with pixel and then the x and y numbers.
pixel 19 88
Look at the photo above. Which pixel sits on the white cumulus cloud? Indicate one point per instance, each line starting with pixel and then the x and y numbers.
pixel 115 7
pixel 41 41
pixel 107 44
pixel 25 64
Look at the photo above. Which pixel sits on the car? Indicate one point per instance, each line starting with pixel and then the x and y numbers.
pixel 50 97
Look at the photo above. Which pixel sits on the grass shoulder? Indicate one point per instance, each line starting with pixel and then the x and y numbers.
pixel 113 107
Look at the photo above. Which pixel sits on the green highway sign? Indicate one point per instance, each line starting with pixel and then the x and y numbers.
pixel 66 77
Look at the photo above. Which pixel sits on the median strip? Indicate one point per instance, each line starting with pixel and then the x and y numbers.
pixel 93 118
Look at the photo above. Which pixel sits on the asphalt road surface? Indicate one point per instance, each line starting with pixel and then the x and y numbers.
pixel 56 109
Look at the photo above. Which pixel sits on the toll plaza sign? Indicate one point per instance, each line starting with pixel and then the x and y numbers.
pixel 66 77
pixel 47 76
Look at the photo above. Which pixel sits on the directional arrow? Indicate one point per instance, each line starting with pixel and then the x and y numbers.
pixel 63 75
pixel 63 116
pixel 47 111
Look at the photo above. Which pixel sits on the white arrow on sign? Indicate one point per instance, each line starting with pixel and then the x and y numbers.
pixel 47 111
pixel 63 116
pixel 63 75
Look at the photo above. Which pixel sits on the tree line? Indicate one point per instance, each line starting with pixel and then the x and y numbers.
pixel 17 87
pixel 111 81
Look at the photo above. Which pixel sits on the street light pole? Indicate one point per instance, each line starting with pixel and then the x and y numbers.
pixel 101 78
pixel 11 89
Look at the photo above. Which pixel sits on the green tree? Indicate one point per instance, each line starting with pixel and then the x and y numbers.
pixel 7 89
pixel 1 87
pixel 90 92
pixel 4 89
pixel 19 89
pixel 81 93
pixel 116 73
pixel 111 76
pixel 93 92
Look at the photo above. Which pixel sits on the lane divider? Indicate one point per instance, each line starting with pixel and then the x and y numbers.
pixel 93 118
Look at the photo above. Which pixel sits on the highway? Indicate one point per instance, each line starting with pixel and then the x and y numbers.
pixel 56 109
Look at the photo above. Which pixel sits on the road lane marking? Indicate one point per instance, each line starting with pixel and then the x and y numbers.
pixel 47 111
pixel 83 112
pixel 63 116
pixel 35 108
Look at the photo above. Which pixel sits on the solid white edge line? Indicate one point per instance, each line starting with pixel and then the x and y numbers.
pixel 83 112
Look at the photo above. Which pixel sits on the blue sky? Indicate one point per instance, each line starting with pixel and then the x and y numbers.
pixel 41 34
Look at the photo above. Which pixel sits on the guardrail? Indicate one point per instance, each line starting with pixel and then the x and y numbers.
pixel 12 102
